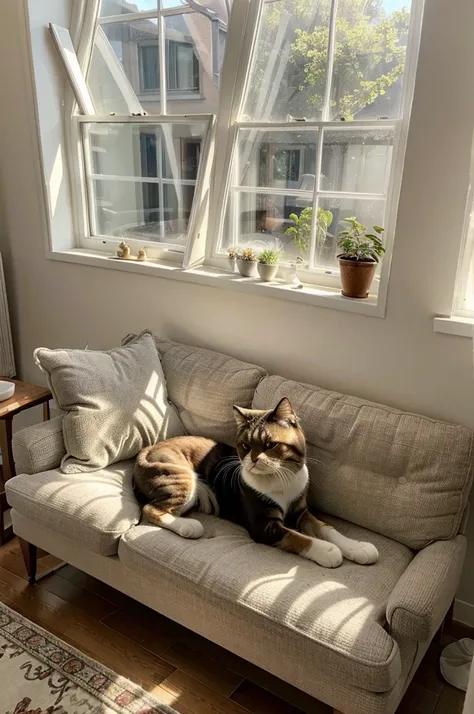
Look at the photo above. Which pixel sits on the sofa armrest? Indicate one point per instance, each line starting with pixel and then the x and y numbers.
pixel 422 596
pixel 39 447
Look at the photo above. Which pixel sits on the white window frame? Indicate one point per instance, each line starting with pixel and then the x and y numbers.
pixel 228 125
pixel 219 144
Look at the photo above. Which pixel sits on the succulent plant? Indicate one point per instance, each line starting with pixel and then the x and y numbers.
pixel 247 254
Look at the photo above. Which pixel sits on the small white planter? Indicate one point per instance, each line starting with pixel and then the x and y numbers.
pixel 267 272
pixel 233 265
pixel 247 268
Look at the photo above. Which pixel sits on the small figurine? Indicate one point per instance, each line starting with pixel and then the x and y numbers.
pixel 141 256
pixel 124 251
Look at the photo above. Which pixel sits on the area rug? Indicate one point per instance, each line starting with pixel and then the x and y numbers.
pixel 40 674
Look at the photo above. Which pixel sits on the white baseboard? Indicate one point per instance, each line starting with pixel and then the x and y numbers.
pixel 464 612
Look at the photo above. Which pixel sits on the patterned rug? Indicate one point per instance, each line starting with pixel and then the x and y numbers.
pixel 40 674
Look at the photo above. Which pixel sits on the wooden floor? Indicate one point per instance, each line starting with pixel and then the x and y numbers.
pixel 180 668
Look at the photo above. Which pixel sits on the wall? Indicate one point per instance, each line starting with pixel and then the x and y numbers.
pixel 398 360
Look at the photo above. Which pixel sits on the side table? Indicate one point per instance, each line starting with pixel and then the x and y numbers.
pixel 26 396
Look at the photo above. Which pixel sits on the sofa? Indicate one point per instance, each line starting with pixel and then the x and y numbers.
pixel 352 637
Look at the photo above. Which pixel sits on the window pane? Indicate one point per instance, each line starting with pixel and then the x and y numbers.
pixel 287 76
pixel 134 150
pixel 190 84
pixel 277 159
pixel 371 41
pixel 125 62
pixel 369 213
pixel 261 221
pixel 144 178
pixel 357 161
pixel 122 7
pixel 142 211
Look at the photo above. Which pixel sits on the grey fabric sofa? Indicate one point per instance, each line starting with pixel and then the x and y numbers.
pixel 351 637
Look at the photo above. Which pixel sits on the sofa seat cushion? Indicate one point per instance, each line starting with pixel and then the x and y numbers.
pixel 333 620
pixel 91 509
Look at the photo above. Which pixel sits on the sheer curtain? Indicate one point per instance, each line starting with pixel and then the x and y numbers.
pixel 7 359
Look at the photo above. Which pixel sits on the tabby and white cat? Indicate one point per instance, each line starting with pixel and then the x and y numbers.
pixel 261 485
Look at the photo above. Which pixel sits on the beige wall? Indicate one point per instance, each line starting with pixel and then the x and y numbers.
pixel 398 360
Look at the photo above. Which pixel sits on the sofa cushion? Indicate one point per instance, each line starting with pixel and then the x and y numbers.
pixel 91 509
pixel 402 475
pixel 115 402
pixel 204 385
pixel 330 619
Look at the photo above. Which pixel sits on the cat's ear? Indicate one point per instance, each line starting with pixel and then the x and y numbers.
pixel 241 415
pixel 284 413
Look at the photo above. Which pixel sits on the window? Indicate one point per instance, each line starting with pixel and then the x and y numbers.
pixel 312 103
pixel 318 127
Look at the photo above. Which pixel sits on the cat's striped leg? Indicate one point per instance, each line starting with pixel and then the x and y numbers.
pixel 359 552
pixel 320 551
pixel 161 515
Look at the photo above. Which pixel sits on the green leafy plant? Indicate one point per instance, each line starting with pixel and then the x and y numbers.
pixel 247 254
pixel 270 257
pixel 301 230
pixel 357 244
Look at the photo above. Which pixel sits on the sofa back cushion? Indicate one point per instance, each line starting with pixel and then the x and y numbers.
pixel 402 475
pixel 204 385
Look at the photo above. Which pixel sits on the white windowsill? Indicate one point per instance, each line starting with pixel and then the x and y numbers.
pixel 461 326
pixel 312 295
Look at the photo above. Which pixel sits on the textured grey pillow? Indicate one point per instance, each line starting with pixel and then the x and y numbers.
pixel 115 402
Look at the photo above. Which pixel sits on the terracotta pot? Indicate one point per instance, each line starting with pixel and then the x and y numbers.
pixel 267 272
pixel 356 277
pixel 247 268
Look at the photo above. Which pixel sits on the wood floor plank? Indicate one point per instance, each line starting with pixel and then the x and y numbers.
pixel 418 700
pixel 260 701
pixel 69 572
pixel 120 654
pixel 85 600
pixel 188 696
pixel 451 701
pixel 146 627
pixel 205 670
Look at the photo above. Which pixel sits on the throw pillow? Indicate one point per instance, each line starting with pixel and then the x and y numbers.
pixel 115 402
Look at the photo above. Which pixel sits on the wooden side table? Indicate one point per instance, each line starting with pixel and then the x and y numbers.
pixel 26 396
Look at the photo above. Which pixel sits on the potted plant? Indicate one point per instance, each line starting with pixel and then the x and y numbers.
pixel 360 254
pixel 232 254
pixel 267 265
pixel 301 233
pixel 247 263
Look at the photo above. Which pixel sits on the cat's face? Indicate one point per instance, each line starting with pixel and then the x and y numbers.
pixel 270 440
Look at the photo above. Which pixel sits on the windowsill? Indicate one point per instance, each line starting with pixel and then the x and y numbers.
pixel 311 295
pixel 460 326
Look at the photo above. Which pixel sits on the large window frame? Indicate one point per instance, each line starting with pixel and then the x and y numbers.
pixel 218 147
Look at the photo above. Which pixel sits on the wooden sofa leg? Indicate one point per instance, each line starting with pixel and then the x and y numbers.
pixel 30 555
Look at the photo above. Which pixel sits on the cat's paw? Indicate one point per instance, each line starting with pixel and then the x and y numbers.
pixel 362 553
pixel 325 554
pixel 190 528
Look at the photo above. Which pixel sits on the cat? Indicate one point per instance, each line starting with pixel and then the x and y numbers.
pixel 261 485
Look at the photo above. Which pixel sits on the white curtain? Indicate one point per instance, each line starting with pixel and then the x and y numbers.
pixel 7 359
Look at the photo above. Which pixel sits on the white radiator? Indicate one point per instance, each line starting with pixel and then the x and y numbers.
pixel 7 358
